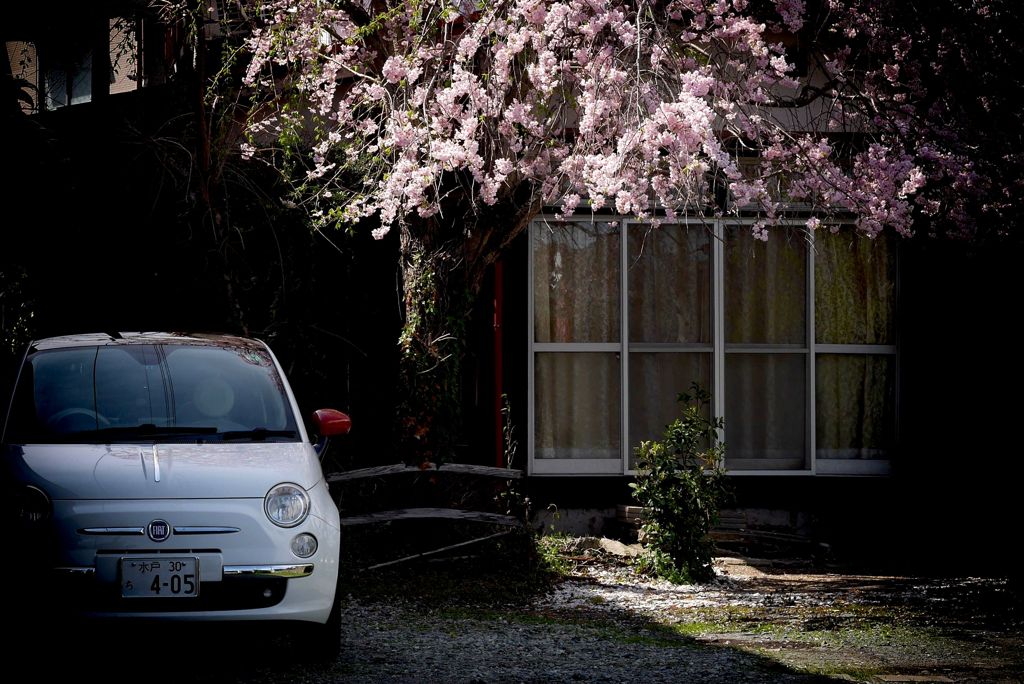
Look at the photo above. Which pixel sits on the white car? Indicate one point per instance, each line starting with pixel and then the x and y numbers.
pixel 164 476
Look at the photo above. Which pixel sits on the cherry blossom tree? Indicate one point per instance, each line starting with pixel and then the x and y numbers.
pixel 943 80
pixel 455 122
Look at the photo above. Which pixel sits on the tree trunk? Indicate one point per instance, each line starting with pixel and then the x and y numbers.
pixel 431 345
pixel 443 267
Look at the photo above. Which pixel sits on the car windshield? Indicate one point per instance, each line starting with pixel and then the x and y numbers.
pixel 150 392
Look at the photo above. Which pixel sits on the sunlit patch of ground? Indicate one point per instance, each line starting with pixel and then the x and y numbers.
pixel 856 626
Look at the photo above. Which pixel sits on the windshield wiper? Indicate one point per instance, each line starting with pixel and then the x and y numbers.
pixel 151 431
pixel 256 434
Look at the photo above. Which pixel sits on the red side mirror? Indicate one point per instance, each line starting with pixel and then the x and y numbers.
pixel 330 422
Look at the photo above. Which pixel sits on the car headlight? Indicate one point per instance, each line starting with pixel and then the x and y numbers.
pixel 304 545
pixel 286 504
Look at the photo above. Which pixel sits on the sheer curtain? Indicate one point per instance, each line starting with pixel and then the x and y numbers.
pixel 856 406
pixel 854 289
pixel 655 380
pixel 765 303
pixel 765 411
pixel 576 282
pixel 669 284
pixel 854 304
pixel 576 301
pixel 765 287
pixel 577 413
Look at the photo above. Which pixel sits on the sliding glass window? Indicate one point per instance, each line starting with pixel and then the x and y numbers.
pixel 795 336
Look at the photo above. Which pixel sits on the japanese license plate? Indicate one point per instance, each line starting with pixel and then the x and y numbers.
pixel 159 577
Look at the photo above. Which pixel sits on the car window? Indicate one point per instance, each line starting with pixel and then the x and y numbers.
pixel 129 387
pixel 150 392
pixel 230 389
pixel 63 389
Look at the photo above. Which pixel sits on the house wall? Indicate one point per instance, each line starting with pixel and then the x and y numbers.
pixel 951 496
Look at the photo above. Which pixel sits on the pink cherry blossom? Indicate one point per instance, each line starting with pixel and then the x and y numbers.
pixel 643 109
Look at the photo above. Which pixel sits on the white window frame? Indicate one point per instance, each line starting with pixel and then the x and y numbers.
pixel 572 466
pixel 717 325
pixel 806 349
pixel 717 348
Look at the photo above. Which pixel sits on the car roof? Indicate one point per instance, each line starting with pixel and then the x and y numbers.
pixel 123 338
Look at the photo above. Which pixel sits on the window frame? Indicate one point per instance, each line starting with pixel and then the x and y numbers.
pixel 573 466
pixel 718 350
pixel 853 466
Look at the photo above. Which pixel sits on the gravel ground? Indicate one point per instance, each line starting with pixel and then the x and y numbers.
pixel 758 622
pixel 516 649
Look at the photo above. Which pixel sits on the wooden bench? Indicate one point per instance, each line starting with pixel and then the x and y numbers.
pixel 455 492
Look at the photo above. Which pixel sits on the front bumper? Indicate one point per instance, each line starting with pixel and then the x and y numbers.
pixel 246 570
pixel 286 571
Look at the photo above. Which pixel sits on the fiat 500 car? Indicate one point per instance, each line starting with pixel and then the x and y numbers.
pixel 170 477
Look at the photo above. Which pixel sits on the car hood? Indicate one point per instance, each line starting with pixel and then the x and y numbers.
pixel 164 471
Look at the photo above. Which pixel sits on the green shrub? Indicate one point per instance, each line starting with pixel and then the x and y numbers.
pixel 681 484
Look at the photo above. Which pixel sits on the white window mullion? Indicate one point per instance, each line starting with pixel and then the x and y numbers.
pixel 530 390
pixel 861 349
pixel 624 227
pixel 579 347
pixel 812 398
pixel 718 321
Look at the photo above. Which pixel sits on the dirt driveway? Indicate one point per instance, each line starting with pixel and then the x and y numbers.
pixel 759 621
